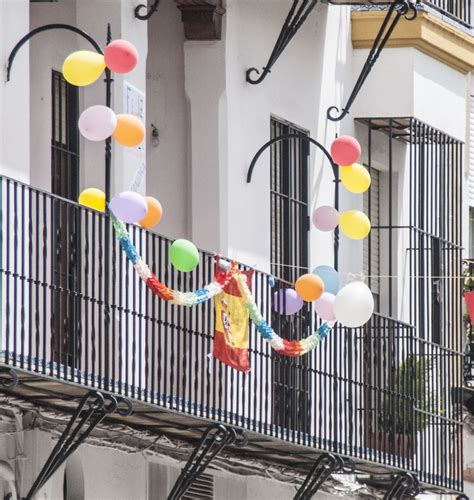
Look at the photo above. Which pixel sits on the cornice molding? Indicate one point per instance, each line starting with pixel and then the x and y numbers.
pixel 427 33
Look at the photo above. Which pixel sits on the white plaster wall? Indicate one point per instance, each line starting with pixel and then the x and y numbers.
pixel 167 109
pixel 14 95
pixel 293 91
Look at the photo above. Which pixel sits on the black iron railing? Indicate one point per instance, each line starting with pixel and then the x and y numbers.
pixel 343 399
pixel 457 9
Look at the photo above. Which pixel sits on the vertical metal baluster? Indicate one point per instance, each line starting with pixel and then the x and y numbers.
pixel 122 286
pixel 8 276
pixel 133 320
pixel 168 367
pixel 147 320
pixel 93 302
pixel 87 301
pixel 177 327
pixel 101 257
pixel 113 312
pixel 138 315
pixel 209 323
pixel 15 274
pixel 22 281
pixel 201 359
pixel 205 346
pixel 79 290
pixel 127 292
pixel 154 323
pixel 36 277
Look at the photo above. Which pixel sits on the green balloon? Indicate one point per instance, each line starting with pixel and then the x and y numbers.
pixel 184 255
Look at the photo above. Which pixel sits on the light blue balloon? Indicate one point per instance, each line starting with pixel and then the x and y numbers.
pixel 330 278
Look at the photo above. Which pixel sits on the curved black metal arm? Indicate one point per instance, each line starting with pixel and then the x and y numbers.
pixel 48 27
pixel 291 136
pixel 401 8
pixel 335 172
pixel 293 23
pixel 145 17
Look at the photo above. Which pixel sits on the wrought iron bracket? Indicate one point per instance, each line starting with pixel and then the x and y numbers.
pixel 293 22
pixel 214 440
pixel 11 383
pixel 404 485
pixel 397 10
pixel 335 171
pixel 285 138
pixel 48 27
pixel 92 409
pixel 324 466
pixel 145 17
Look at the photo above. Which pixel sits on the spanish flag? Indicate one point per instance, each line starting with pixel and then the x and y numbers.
pixel 231 338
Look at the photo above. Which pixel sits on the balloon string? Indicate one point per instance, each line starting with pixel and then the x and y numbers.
pixel 364 276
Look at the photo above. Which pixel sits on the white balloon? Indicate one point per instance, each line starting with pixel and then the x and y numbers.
pixel 354 304
pixel 97 123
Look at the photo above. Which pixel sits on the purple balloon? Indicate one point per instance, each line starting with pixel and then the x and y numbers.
pixel 325 218
pixel 129 207
pixel 287 301
pixel 325 306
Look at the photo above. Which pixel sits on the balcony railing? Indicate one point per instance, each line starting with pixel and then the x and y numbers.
pixel 459 10
pixel 377 394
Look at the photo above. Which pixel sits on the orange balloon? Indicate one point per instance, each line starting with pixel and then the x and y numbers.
pixel 153 214
pixel 309 287
pixel 130 131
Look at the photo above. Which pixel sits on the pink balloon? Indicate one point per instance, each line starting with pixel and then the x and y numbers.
pixel 97 123
pixel 325 306
pixel 287 301
pixel 129 207
pixel 325 218
pixel 121 56
pixel 345 150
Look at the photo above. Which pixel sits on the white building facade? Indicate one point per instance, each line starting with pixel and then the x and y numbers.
pixel 385 399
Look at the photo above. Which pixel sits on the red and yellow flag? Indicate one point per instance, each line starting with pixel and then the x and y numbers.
pixel 231 338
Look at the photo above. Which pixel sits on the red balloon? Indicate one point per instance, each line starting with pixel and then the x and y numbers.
pixel 345 150
pixel 121 56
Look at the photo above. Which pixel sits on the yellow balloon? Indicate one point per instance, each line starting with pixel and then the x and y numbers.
pixel 93 198
pixel 355 178
pixel 83 67
pixel 354 224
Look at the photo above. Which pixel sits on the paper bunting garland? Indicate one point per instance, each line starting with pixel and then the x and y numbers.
pixel 284 347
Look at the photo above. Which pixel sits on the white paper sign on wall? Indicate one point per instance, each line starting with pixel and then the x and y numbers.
pixel 134 104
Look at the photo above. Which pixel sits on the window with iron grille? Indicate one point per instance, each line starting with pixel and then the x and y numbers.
pixel 289 257
pixel 64 183
pixel 429 259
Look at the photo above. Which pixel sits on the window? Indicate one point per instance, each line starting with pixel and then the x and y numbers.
pixel 65 138
pixel 372 242
pixel 289 203
pixel 64 183
pixel 289 257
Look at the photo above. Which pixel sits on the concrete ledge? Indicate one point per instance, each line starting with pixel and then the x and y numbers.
pixel 426 33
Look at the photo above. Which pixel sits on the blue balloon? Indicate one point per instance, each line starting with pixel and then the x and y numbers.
pixel 330 278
